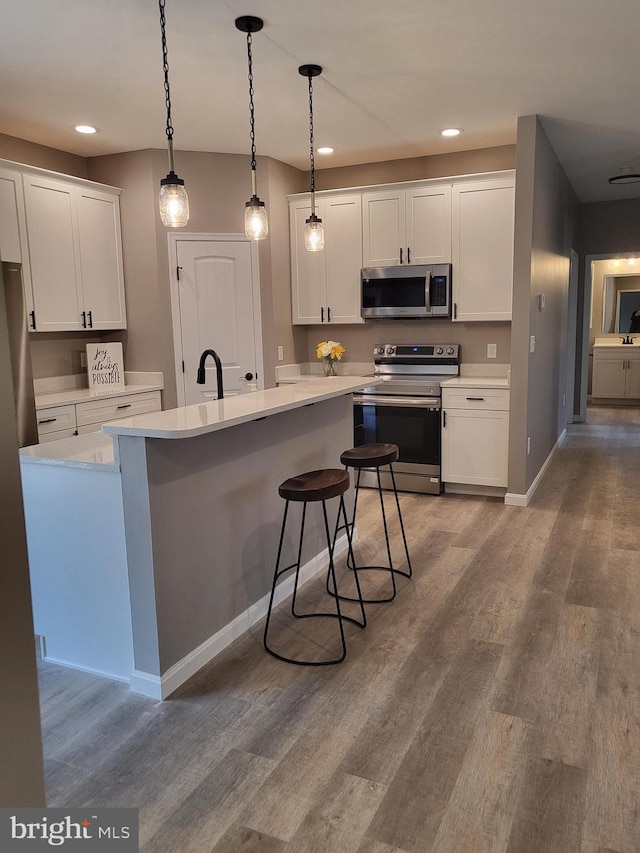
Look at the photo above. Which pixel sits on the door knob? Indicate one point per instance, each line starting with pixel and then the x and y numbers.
pixel 247 376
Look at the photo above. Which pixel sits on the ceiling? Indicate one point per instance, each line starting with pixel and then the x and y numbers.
pixel 394 75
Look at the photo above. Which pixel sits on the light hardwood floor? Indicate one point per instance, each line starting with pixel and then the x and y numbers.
pixel 493 707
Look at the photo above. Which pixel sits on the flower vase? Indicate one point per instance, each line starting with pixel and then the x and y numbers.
pixel 329 366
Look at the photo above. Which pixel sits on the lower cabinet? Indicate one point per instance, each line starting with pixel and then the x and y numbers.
pixel 475 436
pixel 615 377
pixel 55 422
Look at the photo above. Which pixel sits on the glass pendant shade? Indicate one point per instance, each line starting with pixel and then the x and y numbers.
pixel 313 234
pixel 256 224
pixel 174 202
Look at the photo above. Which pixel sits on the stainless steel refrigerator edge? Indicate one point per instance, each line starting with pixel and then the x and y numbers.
pixel 11 283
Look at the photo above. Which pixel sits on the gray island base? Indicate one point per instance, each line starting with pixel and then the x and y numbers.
pixel 193 528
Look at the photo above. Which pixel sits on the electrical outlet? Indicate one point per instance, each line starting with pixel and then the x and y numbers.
pixel 541 301
pixel 492 350
pixel 532 343
pixel 528 445
pixel 280 353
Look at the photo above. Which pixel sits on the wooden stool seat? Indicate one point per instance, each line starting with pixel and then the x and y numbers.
pixel 370 455
pixel 315 485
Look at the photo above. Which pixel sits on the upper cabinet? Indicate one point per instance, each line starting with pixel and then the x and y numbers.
pixel 13 232
pixel 482 249
pixel 407 226
pixel 326 285
pixel 75 252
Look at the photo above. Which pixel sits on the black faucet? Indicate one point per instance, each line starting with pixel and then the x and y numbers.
pixel 201 373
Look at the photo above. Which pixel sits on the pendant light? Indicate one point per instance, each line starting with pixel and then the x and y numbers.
pixel 313 230
pixel 256 225
pixel 174 202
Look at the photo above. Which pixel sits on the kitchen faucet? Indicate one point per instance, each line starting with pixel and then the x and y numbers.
pixel 201 373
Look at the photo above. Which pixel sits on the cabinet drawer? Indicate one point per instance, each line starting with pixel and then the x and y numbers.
pixel 494 399
pixel 101 411
pixel 56 436
pixel 55 419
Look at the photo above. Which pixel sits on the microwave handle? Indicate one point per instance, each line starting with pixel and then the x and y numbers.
pixel 427 292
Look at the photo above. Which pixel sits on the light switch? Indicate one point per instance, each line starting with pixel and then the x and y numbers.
pixel 492 350
pixel 532 343
pixel 541 301
pixel 280 353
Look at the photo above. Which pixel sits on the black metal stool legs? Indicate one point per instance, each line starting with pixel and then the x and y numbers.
pixel 339 615
pixel 404 536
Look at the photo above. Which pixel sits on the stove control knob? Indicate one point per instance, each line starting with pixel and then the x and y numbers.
pixel 439 350
pixel 378 351
pixel 450 350
pixel 391 350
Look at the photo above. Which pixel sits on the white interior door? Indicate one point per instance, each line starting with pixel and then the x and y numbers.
pixel 216 304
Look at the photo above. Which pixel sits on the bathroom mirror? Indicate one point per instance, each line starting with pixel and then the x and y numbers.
pixel 620 298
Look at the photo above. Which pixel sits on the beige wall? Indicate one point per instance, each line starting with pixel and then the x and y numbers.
pixel 21 770
pixel 418 168
pixel 545 232
pixel 58 353
pixel 360 340
pixel 32 154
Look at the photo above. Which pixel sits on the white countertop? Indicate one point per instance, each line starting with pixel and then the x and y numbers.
pixel 85 395
pixel 202 418
pixel 476 382
pixel 94 450
pixel 616 343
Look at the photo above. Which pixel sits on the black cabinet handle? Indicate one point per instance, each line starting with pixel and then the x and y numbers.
pixel 124 406
pixel 328 315
pixel 400 255
pixel 455 310
pixel 408 255
pixel 322 315
pixel 84 319
pixel 32 314
pixel 475 398
pixel 91 319
pixel 48 421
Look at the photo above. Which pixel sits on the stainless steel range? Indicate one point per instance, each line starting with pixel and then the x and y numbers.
pixel 405 410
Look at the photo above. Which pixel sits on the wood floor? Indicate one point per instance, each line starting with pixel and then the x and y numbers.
pixel 493 707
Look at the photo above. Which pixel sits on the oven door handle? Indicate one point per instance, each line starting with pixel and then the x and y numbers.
pixel 402 402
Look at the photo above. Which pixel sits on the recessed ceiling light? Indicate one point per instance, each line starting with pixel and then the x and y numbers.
pixel 325 150
pixel 85 128
pixel 451 131
pixel 627 177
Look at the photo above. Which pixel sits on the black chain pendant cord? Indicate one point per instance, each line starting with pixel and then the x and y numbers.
pixel 251 106
pixel 311 156
pixel 167 92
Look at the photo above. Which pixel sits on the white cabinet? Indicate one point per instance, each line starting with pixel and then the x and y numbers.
pixel 325 286
pixel 56 422
pixel 13 231
pixel 410 226
pixel 75 252
pixel 616 373
pixel 482 249
pixel 475 435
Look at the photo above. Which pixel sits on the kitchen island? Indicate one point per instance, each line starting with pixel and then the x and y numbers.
pixel 183 506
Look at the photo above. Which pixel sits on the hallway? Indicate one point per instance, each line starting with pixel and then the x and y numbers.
pixel 493 707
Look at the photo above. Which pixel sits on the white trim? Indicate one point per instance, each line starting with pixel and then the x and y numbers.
pixel 61 662
pixel 172 241
pixel 163 686
pixel 515 499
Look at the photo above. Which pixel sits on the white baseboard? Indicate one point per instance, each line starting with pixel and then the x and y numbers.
pixel 481 491
pixel 515 499
pixel 160 687
pixel 61 662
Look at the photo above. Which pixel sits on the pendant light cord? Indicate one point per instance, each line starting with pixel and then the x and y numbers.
pixel 311 156
pixel 167 92
pixel 252 122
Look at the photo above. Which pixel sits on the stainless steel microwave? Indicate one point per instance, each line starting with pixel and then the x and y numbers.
pixel 407 291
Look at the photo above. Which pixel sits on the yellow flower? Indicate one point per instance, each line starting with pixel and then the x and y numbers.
pixel 332 350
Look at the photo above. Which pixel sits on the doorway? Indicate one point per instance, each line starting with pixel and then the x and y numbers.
pixel 215 304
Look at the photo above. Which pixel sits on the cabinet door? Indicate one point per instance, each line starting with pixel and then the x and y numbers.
pixel 101 258
pixel 482 250
pixel 428 223
pixel 383 236
pixel 13 232
pixel 342 216
pixel 632 387
pixel 475 447
pixel 609 377
pixel 54 256
pixel 308 271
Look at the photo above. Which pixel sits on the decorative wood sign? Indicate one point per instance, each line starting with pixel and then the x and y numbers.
pixel 105 367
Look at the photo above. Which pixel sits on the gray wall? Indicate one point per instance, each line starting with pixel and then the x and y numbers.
pixel 21 769
pixel 545 232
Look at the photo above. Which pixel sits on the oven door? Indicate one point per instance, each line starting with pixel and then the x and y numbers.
pixel 413 423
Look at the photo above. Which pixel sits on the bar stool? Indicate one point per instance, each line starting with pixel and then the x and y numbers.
pixel 306 488
pixel 375 456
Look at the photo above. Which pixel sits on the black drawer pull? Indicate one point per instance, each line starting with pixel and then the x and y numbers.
pixel 48 421
pixel 479 399
pixel 124 406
